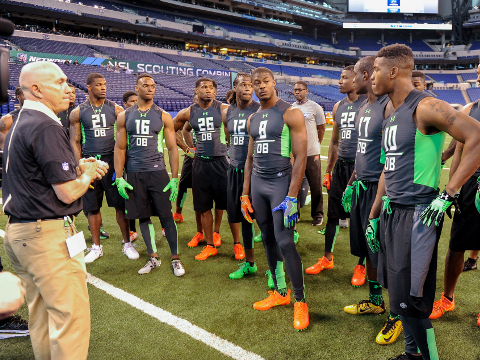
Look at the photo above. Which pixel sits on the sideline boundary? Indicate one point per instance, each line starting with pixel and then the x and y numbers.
pixel 225 347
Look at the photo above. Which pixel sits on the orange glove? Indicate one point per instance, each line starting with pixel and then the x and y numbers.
pixel 327 179
pixel 246 208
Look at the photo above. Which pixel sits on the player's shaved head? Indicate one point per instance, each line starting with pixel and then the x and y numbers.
pixel 45 82
pixel 398 55
pixel 365 65
pixel 392 70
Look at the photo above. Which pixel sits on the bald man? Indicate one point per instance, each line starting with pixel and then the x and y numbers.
pixel 42 186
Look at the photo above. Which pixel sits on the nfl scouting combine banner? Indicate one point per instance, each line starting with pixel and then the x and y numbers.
pixel 137 67
pixel 150 68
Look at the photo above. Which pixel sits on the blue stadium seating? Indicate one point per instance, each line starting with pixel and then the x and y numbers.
pixel 451 96
pixel 446 78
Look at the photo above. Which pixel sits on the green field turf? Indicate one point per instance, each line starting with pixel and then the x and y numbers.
pixel 206 297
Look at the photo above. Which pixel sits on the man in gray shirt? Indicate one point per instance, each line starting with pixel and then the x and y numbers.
pixel 315 124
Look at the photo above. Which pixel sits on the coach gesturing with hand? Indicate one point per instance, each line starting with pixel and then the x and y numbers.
pixel 42 187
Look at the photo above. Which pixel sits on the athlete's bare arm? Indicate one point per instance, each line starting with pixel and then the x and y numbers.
pixel 120 151
pixel 333 147
pixel 180 142
pixel 295 120
pixel 440 115
pixel 321 132
pixel 5 125
pixel 449 151
pixel 76 132
pixel 458 150
pixel 187 135
pixel 118 110
pixel 169 134
pixel 377 204
pixel 247 177
pixel 181 118
pixel 224 121
pixel 352 178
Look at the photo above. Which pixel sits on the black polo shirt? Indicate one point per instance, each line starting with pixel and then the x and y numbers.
pixel 37 154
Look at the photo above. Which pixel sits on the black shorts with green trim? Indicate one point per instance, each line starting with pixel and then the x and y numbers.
pixel 147 197
pixel 209 183
pixel 93 198
pixel 342 171
pixel 186 174
pixel 407 260
pixel 361 206
pixel 465 233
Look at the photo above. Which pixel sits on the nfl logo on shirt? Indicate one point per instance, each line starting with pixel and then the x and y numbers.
pixel 65 166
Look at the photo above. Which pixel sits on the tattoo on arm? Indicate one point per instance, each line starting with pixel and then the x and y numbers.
pixel 445 110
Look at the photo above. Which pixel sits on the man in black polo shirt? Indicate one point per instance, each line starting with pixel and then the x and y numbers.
pixel 42 187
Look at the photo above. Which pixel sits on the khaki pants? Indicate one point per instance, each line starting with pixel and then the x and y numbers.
pixel 57 295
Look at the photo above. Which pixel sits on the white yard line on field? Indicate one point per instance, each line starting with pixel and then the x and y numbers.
pixel 225 347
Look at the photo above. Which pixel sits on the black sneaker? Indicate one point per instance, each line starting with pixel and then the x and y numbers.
pixel 14 324
pixel 317 222
pixel 470 264
pixel 103 234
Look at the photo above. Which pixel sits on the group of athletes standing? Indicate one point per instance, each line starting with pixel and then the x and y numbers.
pixel 383 171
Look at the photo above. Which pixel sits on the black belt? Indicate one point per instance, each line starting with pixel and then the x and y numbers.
pixel 14 220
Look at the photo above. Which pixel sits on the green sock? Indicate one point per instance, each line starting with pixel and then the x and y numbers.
pixel 375 292
pixel 283 292
pixel 280 276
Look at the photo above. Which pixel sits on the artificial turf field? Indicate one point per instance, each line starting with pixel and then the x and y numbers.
pixel 206 297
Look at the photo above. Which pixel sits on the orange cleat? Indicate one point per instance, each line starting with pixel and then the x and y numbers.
pixel 207 251
pixel 197 239
pixel 239 251
pixel 301 319
pixel 322 264
pixel 275 299
pixel 478 320
pixel 217 239
pixel 442 306
pixel 359 273
pixel 178 217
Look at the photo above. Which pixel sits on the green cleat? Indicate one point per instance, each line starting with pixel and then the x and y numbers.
pixel 296 236
pixel 258 238
pixel 270 283
pixel 244 269
pixel 321 232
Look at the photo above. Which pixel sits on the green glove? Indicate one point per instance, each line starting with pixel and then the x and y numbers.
pixel 347 198
pixel 191 152
pixel 434 212
pixel 371 235
pixel 477 196
pixel 121 185
pixel 172 185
